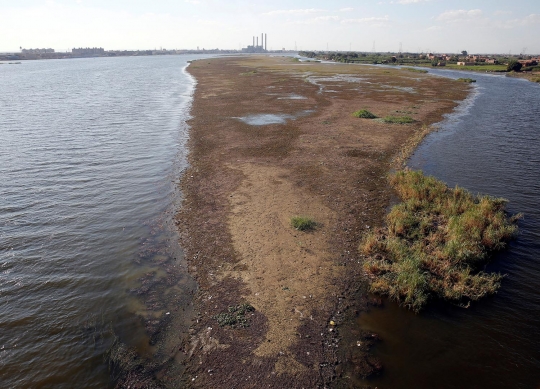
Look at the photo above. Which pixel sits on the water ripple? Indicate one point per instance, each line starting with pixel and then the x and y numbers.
pixel 87 149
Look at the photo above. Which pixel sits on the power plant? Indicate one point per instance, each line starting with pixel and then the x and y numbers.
pixel 256 48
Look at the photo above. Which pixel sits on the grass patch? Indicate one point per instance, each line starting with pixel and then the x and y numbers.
pixel 435 243
pixel 364 114
pixel 250 73
pixel 398 119
pixel 303 223
pixel 415 70
pixel 235 316
pixel 469 80
pixel 535 79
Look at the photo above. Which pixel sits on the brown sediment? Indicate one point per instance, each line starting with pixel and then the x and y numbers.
pixel 244 184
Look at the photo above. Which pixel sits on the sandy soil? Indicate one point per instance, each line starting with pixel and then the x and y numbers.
pixel 244 184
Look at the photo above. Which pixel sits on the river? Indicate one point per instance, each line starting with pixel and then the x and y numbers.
pixel 90 154
pixel 490 145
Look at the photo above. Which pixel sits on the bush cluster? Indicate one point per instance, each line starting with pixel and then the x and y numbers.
pixel 235 316
pixel 398 119
pixel 364 114
pixel 435 242
pixel 303 223
pixel 415 70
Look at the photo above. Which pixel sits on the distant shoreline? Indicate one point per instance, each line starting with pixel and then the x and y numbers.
pixel 123 53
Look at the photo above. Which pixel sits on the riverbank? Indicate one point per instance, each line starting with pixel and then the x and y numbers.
pixel 246 181
pixel 530 76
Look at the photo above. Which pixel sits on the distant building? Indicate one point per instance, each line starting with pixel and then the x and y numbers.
pixel 9 56
pixel 37 51
pixel 528 62
pixel 256 48
pixel 466 63
pixel 88 51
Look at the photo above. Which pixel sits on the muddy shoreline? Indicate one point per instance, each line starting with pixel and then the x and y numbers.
pixel 246 181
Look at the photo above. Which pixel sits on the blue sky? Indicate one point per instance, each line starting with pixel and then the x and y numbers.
pixel 417 25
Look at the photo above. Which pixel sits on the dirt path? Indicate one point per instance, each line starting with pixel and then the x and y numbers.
pixel 247 181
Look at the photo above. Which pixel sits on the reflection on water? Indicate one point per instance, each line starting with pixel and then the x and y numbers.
pixel 489 147
pixel 90 151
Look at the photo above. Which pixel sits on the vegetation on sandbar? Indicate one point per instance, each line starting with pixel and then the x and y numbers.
pixel 303 223
pixel 469 80
pixel 249 73
pixel 398 119
pixel 436 242
pixel 235 316
pixel 364 114
pixel 415 70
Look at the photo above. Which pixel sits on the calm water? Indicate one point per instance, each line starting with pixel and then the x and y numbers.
pixel 89 153
pixel 492 146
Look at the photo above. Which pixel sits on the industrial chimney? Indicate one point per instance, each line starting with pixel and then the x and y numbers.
pixel 265 42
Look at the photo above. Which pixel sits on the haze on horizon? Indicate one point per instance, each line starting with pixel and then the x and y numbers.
pixel 478 26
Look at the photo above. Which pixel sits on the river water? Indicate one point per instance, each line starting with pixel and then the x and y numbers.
pixel 90 152
pixel 490 145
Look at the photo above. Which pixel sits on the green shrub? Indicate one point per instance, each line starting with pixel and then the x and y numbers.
pixel 303 223
pixel 235 316
pixel 514 65
pixel 364 114
pixel 398 119
pixel 435 242
pixel 415 70
pixel 469 80
pixel 250 73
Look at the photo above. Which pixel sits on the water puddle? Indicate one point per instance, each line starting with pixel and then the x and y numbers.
pixel 339 78
pixel 319 81
pixel 292 97
pixel 386 88
pixel 264 119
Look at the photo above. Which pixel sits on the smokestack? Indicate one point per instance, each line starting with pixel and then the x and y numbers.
pixel 253 41
pixel 257 41
pixel 265 42
pixel 262 40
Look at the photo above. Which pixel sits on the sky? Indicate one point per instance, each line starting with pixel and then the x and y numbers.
pixel 443 26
